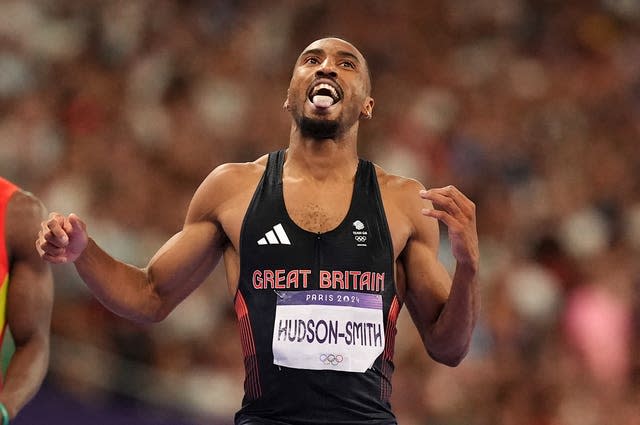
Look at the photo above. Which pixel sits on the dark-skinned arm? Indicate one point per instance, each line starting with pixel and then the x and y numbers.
pixel 29 304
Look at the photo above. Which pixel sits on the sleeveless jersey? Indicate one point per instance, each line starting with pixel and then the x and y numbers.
pixel 317 311
pixel 6 191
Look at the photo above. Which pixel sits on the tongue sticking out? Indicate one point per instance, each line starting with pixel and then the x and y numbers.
pixel 322 101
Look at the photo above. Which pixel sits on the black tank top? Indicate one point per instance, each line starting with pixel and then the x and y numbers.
pixel 317 311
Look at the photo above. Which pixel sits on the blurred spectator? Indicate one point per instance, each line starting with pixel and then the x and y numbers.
pixel 530 107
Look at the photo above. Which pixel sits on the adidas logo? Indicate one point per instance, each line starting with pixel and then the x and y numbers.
pixel 277 236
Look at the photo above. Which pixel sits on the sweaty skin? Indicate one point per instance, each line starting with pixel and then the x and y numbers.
pixel 318 179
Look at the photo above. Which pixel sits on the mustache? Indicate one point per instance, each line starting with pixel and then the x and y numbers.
pixel 332 81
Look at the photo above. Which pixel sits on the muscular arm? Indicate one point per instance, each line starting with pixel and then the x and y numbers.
pixel 146 294
pixel 29 304
pixel 444 309
pixel 149 294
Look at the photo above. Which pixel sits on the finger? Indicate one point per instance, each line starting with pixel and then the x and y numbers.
pixel 75 223
pixel 44 232
pixel 40 250
pixel 448 191
pixel 56 232
pixel 54 259
pixel 464 204
pixel 439 215
pixel 55 217
pixel 50 249
pixel 46 248
pixel 54 240
pixel 443 201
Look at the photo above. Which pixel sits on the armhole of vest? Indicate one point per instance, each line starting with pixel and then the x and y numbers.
pixel 385 222
pixel 277 170
pixel 256 193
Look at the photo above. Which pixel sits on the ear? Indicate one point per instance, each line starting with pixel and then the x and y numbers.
pixel 367 108
pixel 285 106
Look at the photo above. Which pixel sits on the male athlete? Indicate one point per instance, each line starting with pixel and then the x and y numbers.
pixel 321 250
pixel 26 299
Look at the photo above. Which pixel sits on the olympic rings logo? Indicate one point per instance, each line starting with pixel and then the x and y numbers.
pixel 360 238
pixel 331 359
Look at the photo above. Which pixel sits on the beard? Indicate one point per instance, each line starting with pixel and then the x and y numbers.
pixel 319 129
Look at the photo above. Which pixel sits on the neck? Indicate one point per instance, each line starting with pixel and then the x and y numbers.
pixel 322 159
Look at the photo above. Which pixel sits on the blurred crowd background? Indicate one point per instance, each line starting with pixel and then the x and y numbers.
pixel 117 110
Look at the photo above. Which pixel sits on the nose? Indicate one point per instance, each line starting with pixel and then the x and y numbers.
pixel 327 69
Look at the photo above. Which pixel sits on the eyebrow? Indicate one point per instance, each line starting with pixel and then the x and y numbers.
pixel 341 53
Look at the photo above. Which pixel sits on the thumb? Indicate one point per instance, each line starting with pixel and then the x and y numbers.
pixel 75 224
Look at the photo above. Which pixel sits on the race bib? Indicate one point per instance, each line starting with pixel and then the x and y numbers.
pixel 328 330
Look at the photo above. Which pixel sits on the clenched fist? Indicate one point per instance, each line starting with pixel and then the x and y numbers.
pixel 62 239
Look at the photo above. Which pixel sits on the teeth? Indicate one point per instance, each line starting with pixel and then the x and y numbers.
pixel 326 86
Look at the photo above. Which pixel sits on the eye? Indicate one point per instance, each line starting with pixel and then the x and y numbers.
pixel 348 64
pixel 312 60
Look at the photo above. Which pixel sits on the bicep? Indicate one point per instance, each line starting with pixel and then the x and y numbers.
pixel 186 259
pixel 427 281
pixel 29 301
pixel 30 291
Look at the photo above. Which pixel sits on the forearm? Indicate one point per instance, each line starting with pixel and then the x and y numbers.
pixel 448 338
pixel 25 373
pixel 122 288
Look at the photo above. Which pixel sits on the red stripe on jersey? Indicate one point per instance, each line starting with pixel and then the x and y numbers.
pixel 390 337
pixel 252 379
pixel 387 354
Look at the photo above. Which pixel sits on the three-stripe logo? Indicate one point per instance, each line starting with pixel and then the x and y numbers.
pixel 276 236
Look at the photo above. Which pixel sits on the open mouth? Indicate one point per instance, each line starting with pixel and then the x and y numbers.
pixel 324 95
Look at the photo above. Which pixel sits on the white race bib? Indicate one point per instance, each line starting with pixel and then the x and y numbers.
pixel 332 330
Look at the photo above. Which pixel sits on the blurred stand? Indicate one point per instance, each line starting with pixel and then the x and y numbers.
pixel 117 110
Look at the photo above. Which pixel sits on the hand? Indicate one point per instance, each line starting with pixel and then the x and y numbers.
pixel 62 239
pixel 455 210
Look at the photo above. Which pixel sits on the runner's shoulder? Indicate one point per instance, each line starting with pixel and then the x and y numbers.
pixel 234 176
pixel 22 218
pixel 25 208
pixel 397 186
pixel 227 185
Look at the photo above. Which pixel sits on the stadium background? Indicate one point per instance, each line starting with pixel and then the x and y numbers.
pixel 116 110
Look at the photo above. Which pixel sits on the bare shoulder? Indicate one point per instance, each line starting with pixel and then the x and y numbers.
pixel 231 178
pixel 24 207
pixel 24 214
pixel 234 174
pixel 226 184
pixel 398 188
pixel 403 207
